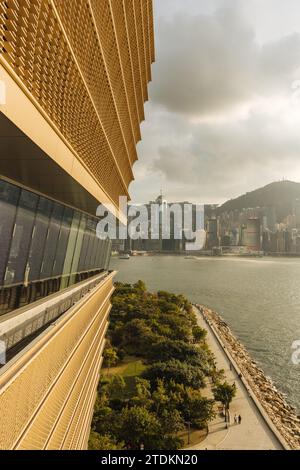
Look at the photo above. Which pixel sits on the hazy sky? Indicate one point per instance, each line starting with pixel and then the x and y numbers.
pixel 224 110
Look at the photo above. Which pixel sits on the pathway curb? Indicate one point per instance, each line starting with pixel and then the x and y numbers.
pixel 260 408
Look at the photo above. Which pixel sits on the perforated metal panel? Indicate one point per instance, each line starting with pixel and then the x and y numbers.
pixel 85 63
pixel 139 23
pixel 41 390
pixel 126 63
pixel 134 53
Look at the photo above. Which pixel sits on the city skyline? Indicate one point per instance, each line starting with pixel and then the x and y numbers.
pixel 166 196
pixel 225 123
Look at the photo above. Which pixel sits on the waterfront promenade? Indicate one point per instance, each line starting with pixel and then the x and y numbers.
pixel 253 433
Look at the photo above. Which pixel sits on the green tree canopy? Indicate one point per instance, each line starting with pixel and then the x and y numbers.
pixel 142 394
pixel 224 393
pixel 199 334
pixel 197 409
pixel 102 442
pixel 138 425
pixel 179 372
pixel 110 357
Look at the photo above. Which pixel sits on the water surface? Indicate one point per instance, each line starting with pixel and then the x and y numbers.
pixel 259 298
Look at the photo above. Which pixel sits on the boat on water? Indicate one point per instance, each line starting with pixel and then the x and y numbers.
pixel 124 256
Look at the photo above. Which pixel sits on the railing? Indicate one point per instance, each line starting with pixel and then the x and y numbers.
pixel 16 335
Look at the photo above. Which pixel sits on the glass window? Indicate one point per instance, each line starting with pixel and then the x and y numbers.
pixel 72 243
pixel 63 242
pixel 102 254
pixel 39 236
pixel 79 243
pixel 52 241
pixel 98 254
pixel 41 239
pixel 90 259
pixel 21 239
pixel 9 196
pixel 86 247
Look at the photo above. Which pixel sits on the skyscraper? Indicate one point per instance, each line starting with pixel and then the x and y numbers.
pixel 212 233
pixel 251 234
pixel 74 80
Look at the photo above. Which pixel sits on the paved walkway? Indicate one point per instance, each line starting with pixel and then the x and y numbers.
pixel 253 433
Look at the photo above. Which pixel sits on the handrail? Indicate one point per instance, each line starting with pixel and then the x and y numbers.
pixel 47 316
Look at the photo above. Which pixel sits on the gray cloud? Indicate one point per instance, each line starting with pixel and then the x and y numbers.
pixel 212 63
pixel 220 161
pixel 221 119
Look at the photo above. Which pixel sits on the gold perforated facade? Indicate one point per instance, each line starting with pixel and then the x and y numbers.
pixel 73 83
pixel 47 392
pixel 85 65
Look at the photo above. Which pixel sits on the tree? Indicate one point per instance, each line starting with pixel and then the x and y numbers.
pixel 180 372
pixel 161 329
pixel 138 425
pixel 167 349
pixel 197 409
pixel 173 326
pixel 160 396
pixel 102 399
pixel 140 286
pixel 110 358
pixel 217 375
pixel 102 442
pixel 178 300
pixel 225 393
pixel 142 393
pixel 199 334
pixel 137 337
pixel 116 387
pixel 172 422
pixel 104 420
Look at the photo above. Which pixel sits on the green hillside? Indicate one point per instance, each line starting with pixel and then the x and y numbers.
pixel 281 195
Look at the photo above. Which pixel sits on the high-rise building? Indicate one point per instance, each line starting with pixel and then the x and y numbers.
pixel 251 234
pixel 73 78
pixel 169 226
pixel 296 212
pixel 212 233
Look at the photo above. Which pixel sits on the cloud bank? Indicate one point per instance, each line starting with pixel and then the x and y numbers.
pixel 225 107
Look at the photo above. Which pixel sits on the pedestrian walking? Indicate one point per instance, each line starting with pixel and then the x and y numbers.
pixel 235 419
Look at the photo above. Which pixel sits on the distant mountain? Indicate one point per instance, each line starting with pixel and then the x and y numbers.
pixel 281 195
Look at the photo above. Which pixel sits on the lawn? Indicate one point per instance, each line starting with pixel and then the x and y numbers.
pixel 131 368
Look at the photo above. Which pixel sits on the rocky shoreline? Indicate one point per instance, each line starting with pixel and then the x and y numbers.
pixel 282 415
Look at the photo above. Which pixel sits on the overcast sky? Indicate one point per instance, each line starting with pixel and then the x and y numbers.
pixel 224 110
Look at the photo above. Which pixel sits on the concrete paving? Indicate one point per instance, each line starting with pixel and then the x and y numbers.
pixel 253 433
